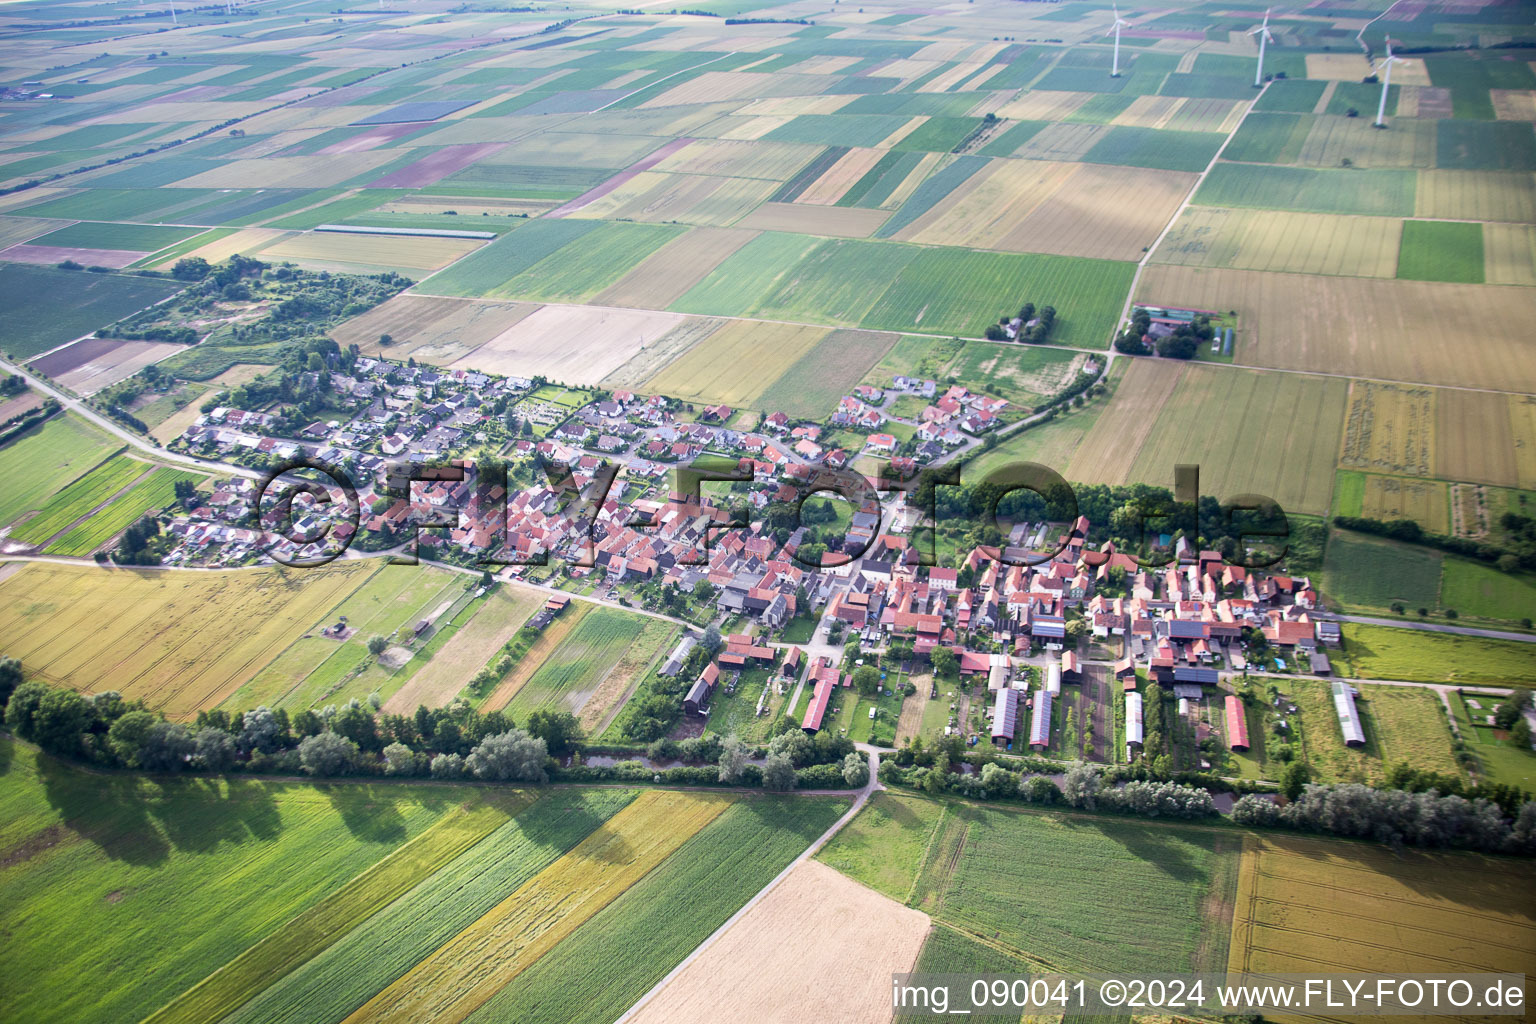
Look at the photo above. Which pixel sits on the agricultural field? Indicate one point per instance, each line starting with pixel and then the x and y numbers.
pixel 811 386
pixel 569 344
pixel 38 318
pixel 1023 374
pixel 190 640
pixel 665 275
pixel 77 499
pixel 1301 904
pixel 585 658
pixel 473 646
pixel 1401 725
pixel 1390 428
pixel 156 492
pixel 950 860
pixel 1363 571
pixel 429 329
pixel 1162 415
pixel 1383 193
pixel 1481 591
pixel 1489 439
pixel 1359 326
pixel 737 363
pixel 1294 243
pixel 1381 652
pixel 46 459
pixel 802 930
pixel 1441 251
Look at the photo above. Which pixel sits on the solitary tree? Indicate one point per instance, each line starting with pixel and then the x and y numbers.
pixel 377 645
pixel 866 679
pixel 778 773
pixel 510 756
pixel 856 769
pixel 733 759
pixel 327 754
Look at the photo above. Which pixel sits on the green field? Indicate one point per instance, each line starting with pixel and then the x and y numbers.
pixel 1401 724
pixel 1434 250
pixel 586 266
pixel 1485 145
pixel 1150 147
pixel 97 235
pixel 122 870
pixel 1269 138
pixel 157 492
pixel 568 678
pixel 1367 572
pixel 45 307
pixel 934 188
pixel 938 134
pixel 967 867
pixel 1292 95
pixel 813 384
pixel 487 268
pixel 675 907
pixel 80 497
pixel 348 971
pixel 1481 591
pixel 1023 374
pixel 1383 652
pixel 46 459
pixel 1386 193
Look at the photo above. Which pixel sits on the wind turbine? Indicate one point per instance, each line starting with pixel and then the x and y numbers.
pixel 1264 36
pixel 1114 71
pixel 1386 83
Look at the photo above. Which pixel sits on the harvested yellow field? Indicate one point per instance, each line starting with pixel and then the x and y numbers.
pixel 1209 115
pixel 737 363
pixel 1513 104
pixel 569 344
pixel 538 652
pixel 1296 243
pixel 791 107
pixel 1393 497
pixel 954 76
pixel 335 250
pixel 1477 195
pixel 179 641
pixel 1107 451
pixel 1362 327
pixel 1305 906
pixel 718 86
pixel 1043 106
pixel 429 328
pixel 840 177
pixel 646 363
pixel 1068 209
pixel 773 161
pixel 901 193
pixel 833 221
pixel 454 981
pixel 1389 428
pixel 246 240
pixel 786 959
pixel 1486 439
pixel 1351 67
pixel 1062 142
pixel 658 197
pixel 1149 111
pixel 467 651
pixel 744 129
pixel 912 125
pixel 1509 254
pixel 662 277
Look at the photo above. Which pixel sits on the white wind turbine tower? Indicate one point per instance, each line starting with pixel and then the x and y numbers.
pixel 1264 37
pixel 1114 71
pixel 1386 83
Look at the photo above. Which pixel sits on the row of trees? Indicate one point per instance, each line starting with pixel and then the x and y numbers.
pixel 1398 818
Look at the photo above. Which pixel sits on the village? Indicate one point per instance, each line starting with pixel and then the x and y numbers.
pixel 1014 623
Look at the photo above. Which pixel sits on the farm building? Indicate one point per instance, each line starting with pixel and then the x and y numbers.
pixel 1040 721
pixel 674 663
pixel 1053 678
pixel 1005 716
pixel 825 675
pixel 1349 715
pixel 1134 734
pixel 1000 672
pixel 1196 676
pixel 1071 669
pixel 1237 724
pixel 698 694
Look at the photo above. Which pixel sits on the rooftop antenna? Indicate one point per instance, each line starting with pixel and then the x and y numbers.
pixel 1114 70
pixel 1265 36
pixel 1386 83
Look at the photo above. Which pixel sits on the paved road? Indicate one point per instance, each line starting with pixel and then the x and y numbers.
pixel 810 851
pixel 1430 627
